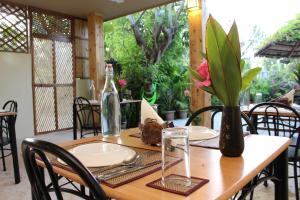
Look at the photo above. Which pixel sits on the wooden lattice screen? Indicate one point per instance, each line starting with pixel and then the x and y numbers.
pixel 53 71
pixel 13 28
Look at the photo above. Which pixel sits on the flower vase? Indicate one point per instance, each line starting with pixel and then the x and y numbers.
pixel 231 141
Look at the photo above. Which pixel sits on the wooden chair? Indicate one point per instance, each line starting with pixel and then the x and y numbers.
pixel 33 149
pixel 11 106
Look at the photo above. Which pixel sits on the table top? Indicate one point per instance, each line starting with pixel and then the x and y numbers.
pixel 271 111
pixel 226 175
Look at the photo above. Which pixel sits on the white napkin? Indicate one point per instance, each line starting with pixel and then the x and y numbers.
pixel 148 112
pixel 290 96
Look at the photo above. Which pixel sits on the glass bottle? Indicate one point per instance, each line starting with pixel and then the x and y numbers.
pixel 110 106
pixel 92 90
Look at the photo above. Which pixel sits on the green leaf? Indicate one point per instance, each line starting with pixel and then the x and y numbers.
pixel 208 89
pixel 203 55
pixel 249 76
pixel 224 66
pixel 195 74
pixel 242 64
pixel 233 36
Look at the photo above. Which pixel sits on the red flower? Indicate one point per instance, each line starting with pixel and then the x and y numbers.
pixel 203 72
pixel 122 83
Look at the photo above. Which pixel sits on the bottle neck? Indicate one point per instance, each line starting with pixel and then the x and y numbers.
pixel 109 83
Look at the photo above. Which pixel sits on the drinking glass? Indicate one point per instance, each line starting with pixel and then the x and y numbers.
pixel 244 99
pixel 175 143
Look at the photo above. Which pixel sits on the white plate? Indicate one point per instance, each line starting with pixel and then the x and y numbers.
pixel 101 154
pixel 201 133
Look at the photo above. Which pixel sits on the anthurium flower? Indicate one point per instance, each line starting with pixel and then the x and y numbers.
pixel 203 72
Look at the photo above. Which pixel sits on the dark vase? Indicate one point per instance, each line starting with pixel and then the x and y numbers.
pixel 231 136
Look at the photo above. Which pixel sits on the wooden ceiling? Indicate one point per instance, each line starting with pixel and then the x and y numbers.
pixel 110 9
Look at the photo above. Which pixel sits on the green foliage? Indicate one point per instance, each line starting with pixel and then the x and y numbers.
pixel 249 76
pixel 167 99
pixel 121 45
pixel 287 33
pixel 290 32
pixel 296 72
pixel 277 81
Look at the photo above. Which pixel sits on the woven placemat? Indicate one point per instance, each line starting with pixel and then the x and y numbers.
pixel 136 135
pixel 146 157
pixel 176 188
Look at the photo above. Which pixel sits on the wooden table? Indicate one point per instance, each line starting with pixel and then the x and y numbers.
pixel 226 175
pixel 262 112
pixel 97 104
pixel 13 142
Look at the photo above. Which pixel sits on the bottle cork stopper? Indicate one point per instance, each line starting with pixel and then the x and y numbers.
pixel 109 66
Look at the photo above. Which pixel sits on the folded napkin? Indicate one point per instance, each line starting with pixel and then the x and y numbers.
pixel 148 112
pixel 290 96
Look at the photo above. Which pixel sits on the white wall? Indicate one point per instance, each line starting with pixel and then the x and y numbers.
pixel 15 83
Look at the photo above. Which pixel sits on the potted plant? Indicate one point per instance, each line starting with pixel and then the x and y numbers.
pixel 167 102
pixel 183 104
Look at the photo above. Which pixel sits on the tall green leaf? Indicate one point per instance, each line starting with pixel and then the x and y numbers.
pixel 242 64
pixel 224 65
pixel 233 36
pixel 249 76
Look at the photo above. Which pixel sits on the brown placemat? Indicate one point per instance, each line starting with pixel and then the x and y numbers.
pixel 180 189
pixel 136 135
pixel 146 157
pixel 211 143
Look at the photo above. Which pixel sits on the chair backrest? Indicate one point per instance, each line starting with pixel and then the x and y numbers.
pixel 214 110
pixel 33 148
pixel 11 106
pixel 84 112
pixel 277 119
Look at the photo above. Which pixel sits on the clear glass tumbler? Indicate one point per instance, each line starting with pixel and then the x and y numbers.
pixel 175 143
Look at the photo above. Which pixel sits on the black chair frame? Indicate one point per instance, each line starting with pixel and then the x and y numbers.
pixel 85 115
pixel 11 106
pixel 282 126
pixel 33 149
pixel 215 110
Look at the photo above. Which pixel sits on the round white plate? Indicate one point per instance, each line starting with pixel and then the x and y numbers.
pixel 102 154
pixel 201 133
